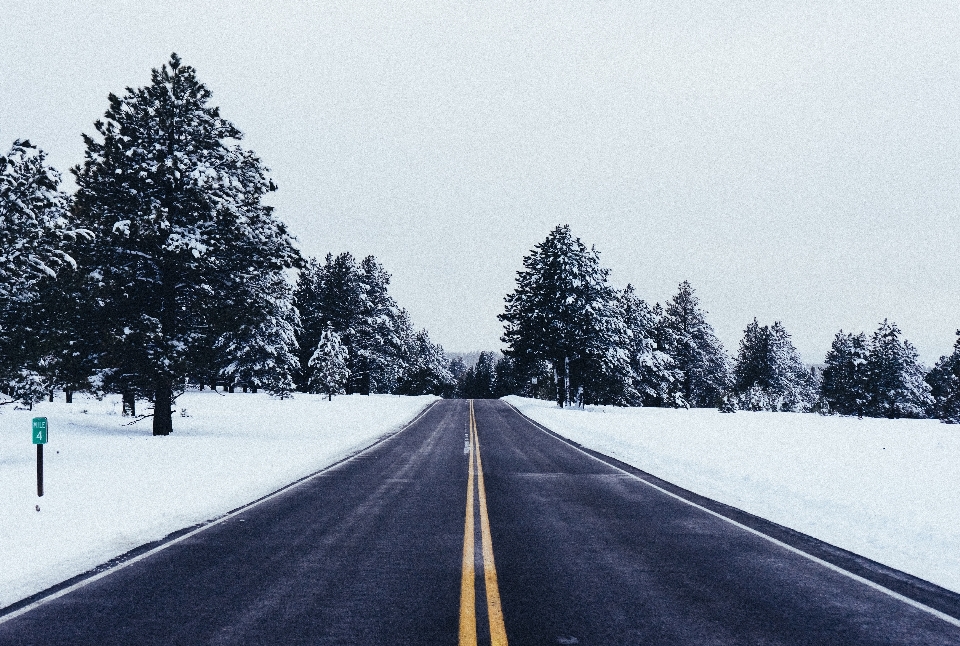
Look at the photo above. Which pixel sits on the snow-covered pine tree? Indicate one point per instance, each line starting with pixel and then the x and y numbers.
pixel 329 365
pixel 653 374
pixel 457 370
pixel 181 229
pixel 895 382
pixel 944 381
pixel 36 231
pixel 308 298
pixel 701 364
pixel 563 311
pixel 842 389
pixel 425 370
pixel 353 297
pixel 381 325
pixel 262 351
pixel 769 373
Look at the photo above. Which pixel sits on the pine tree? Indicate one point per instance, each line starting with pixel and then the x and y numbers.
pixel 843 389
pixel 458 370
pixel 382 324
pixel 894 377
pixel 36 234
pixel 769 373
pixel 261 352
pixel 329 364
pixel 181 234
pixel 425 370
pixel 563 311
pixel 701 364
pixel 652 370
pixel 944 382
pixel 504 378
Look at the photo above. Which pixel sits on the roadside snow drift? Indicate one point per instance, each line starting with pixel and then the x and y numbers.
pixel 884 489
pixel 109 487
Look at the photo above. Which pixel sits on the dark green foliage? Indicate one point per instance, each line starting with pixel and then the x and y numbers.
pixel 384 353
pixel 183 240
pixel 769 374
pixel 563 311
pixel 38 326
pixel 700 368
pixel 844 387
pixel 894 376
pixel 944 382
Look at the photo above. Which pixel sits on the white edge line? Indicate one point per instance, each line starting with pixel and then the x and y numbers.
pixel 211 523
pixel 830 566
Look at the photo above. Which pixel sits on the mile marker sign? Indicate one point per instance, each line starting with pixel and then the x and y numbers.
pixel 39 430
pixel 39 435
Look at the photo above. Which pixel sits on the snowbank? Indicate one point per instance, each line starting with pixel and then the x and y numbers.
pixel 884 489
pixel 109 487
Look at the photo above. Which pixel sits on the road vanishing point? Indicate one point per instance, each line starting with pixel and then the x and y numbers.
pixel 473 525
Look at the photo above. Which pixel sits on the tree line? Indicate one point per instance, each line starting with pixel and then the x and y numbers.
pixel 165 268
pixel 571 336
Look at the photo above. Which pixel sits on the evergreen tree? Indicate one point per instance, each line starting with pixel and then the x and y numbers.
pixel 769 374
pixel 386 353
pixel 262 351
pixel 895 379
pixel 944 382
pixel 458 370
pixel 181 232
pixel 702 369
pixel 382 324
pixel 479 380
pixel 843 388
pixel 652 370
pixel 329 363
pixel 563 311
pixel 504 378
pixel 425 368
pixel 36 231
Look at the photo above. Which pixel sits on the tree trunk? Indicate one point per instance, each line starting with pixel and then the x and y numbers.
pixel 68 395
pixel 51 395
pixel 244 389
pixel 129 405
pixel 558 379
pixel 253 390
pixel 162 417
pixel 566 379
pixel 232 386
pixel 330 397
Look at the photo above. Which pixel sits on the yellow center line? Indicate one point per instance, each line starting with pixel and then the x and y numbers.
pixel 468 611
pixel 498 632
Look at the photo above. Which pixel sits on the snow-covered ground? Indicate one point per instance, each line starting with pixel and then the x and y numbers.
pixel 885 489
pixel 109 487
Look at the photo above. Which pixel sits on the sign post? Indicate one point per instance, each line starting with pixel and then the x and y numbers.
pixel 39 435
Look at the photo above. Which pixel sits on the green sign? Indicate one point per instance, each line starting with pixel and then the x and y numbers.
pixel 39 430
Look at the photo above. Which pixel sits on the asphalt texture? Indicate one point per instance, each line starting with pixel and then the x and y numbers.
pixel 371 552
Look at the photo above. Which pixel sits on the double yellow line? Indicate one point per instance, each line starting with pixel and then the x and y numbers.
pixel 468 605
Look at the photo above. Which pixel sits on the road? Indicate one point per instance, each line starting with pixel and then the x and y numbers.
pixel 550 546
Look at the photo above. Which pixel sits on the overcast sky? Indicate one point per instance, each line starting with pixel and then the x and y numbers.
pixel 797 163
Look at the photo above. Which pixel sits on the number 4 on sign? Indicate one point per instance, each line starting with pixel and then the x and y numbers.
pixel 39 430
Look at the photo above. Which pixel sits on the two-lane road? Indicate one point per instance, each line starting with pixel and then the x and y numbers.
pixel 566 550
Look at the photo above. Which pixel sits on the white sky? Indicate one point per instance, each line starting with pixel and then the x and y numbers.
pixel 797 162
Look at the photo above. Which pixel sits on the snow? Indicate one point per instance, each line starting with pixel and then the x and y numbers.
pixel 109 487
pixel 884 489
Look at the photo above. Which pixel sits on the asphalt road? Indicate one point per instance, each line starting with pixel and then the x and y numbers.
pixel 557 548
